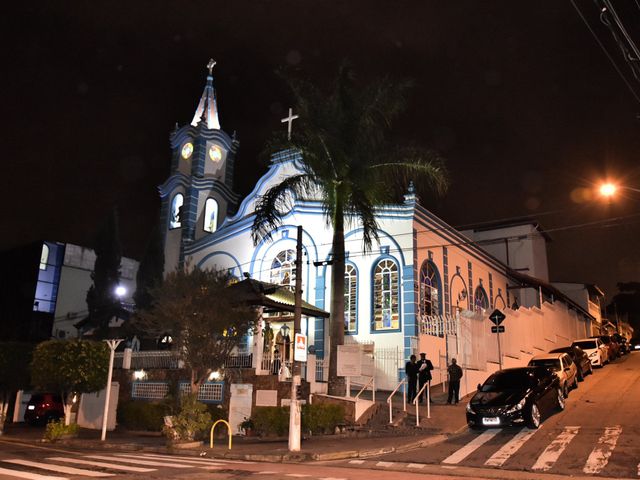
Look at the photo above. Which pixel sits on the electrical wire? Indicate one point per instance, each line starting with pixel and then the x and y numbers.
pixel 595 36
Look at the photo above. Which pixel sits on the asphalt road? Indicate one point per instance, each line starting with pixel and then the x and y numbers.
pixel 598 434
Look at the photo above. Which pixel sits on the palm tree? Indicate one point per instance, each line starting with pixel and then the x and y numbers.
pixel 349 165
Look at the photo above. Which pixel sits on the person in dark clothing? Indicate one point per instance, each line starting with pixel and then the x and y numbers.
pixel 455 374
pixel 411 371
pixel 277 363
pixel 424 373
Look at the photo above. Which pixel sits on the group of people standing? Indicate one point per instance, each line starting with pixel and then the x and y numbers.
pixel 419 374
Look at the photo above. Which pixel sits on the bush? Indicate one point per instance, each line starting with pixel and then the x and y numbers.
pixel 315 418
pixel 192 422
pixel 56 429
pixel 321 418
pixel 140 415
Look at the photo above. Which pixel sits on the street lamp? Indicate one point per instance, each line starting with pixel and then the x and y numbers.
pixel 609 189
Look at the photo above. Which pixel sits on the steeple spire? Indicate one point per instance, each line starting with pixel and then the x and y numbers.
pixel 208 107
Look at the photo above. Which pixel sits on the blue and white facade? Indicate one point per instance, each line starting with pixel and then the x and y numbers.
pixel 420 267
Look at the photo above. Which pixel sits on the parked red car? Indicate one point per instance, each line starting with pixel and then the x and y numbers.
pixel 43 408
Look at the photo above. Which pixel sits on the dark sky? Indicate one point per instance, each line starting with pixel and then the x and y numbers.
pixel 517 95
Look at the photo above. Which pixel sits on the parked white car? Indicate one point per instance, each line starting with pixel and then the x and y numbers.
pixel 562 365
pixel 595 349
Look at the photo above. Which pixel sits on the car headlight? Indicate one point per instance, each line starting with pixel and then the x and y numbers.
pixel 593 354
pixel 517 406
pixel 470 409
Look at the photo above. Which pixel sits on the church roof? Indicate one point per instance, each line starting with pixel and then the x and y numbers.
pixel 274 298
pixel 207 106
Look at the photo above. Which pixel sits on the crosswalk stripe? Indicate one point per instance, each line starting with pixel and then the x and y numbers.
pixel 139 462
pixel 191 461
pixel 599 456
pixel 384 464
pixel 297 475
pixel 415 465
pixel 124 468
pixel 57 468
pixel 509 448
pixel 216 460
pixel 28 475
pixel 548 458
pixel 470 447
pixel 356 462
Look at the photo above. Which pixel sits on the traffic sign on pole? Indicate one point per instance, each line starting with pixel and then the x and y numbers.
pixel 497 317
pixel 497 329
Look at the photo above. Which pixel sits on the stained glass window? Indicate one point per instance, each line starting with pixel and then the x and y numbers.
pixel 429 293
pixel 210 215
pixel 385 296
pixel 480 300
pixel 283 268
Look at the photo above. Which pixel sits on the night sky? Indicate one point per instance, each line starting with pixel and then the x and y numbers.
pixel 517 95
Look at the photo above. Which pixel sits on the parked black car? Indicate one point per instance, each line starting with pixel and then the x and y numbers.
pixel 622 342
pixel 579 357
pixel 43 408
pixel 524 395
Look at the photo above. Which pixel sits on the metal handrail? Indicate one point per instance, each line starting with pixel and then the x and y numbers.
pixel 415 402
pixel 390 399
pixel 372 381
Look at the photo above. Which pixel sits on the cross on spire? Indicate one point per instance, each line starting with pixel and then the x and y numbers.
pixel 210 65
pixel 289 120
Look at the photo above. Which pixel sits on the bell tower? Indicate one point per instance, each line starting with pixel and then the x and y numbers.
pixel 198 195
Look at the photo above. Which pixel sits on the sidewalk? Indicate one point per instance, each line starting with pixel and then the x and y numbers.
pixel 446 420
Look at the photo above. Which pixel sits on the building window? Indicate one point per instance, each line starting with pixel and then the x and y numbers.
pixel 429 289
pixel 44 256
pixel 283 268
pixel 385 296
pixel 175 220
pixel 210 215
pixel 350 298
pixel 480 300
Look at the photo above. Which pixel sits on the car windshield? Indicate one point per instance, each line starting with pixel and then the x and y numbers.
pixel 587 344
pixel 552 363
pixel 507 381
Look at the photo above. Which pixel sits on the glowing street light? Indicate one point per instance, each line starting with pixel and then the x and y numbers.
pixel 121 291
pixel 608 189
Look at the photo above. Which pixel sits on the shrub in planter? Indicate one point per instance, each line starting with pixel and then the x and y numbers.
pixel 271 420
pixel 141 415
pixel 56 429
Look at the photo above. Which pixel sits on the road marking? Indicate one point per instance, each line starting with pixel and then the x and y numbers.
pixel 599 456
pixel 139 462
pixel 190 461
pixel 176 458
pixel 58 468
pixel 471 447
pixel 297 475
pixel 332 478
pixel 356 462
pixel 266 472
pixel 125 468
pixel 548 458
pixel 509 448
pixel 415 465
pixel 30 476
pixel 384 464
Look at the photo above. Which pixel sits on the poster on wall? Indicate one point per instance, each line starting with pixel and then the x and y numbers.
pixel 300 348
pixel 240 405
pixel 349 361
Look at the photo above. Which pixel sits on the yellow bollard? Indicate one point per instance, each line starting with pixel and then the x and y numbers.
pixel 213 428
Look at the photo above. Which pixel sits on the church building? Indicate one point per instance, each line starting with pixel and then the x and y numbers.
pixel 420 275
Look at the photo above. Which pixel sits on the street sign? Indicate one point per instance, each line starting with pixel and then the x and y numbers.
pixel 497 317
pixel 300 348
pixel 497 329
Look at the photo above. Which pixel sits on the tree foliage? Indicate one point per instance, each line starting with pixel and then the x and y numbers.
pixel 102 301
pixel 15 358
pixel 627 303
pixel 69 367
pixel 151 270
pixel 351 166
pixel 205 320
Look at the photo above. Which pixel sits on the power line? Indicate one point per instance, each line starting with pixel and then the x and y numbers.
pixel 624 79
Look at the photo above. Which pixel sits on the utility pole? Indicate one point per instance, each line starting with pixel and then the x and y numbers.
pixel 113 344
pixel 294 408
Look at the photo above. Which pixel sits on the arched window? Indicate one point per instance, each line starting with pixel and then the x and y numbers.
pixel 174 216
pixel 44 256
pixel 480 300
pixel 210 215
pixel 350 298
pixel 429 289
pixel 385 296
pixel 282 269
